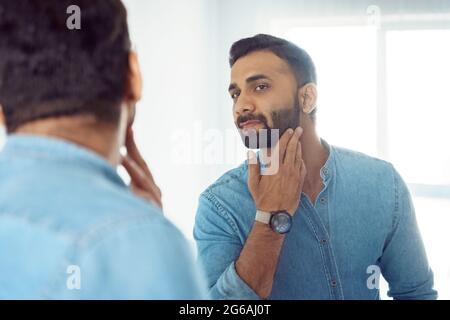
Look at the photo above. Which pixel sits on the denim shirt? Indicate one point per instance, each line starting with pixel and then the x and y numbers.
pixel 362 224
pixel 71 229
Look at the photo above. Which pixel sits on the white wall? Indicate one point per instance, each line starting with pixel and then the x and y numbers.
pixel 175 41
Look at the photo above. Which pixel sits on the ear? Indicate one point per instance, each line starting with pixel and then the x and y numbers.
pixel 2 116
pixel 134 87
pixel 307 95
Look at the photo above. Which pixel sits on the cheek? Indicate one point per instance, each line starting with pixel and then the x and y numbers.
pixel 234 114
pixel 267 108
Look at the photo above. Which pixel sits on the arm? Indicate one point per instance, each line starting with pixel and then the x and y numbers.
pixel 258 260
pixel 404 262
pixel 219 246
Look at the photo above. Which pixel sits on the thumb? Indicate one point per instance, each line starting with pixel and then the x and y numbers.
pixel 253 170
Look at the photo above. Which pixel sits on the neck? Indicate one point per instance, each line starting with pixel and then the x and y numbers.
pixel 314 156
pixel 84 131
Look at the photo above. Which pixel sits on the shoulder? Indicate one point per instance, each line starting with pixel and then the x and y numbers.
pixel 362 166
pixel 230 179
pixel 369 175
pixel 225 202
pixel 229 187
pixel 349 157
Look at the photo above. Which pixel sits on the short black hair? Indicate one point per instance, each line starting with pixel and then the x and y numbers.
pixel 48 70
pixel 297 58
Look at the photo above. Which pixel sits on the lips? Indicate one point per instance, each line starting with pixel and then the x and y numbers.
pixel 249 124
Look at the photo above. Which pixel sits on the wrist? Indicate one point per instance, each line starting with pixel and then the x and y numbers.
pixel 275 208
pixel 278 221
pixel 266 234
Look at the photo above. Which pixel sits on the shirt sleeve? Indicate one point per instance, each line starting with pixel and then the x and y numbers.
pixel 218 248
pixel 404 262
pixel 140 260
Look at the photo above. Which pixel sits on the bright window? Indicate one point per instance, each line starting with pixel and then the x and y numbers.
pixel 385 92
pixel 345 59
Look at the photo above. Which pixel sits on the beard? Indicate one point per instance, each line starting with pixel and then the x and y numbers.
pixel 267 137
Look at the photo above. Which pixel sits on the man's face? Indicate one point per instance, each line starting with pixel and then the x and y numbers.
pixel 264 92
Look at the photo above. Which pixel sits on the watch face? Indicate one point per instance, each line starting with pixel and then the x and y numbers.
pixel 281 222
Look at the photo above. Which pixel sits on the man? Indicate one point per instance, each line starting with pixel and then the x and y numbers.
pixel 69 226
pixel 325 222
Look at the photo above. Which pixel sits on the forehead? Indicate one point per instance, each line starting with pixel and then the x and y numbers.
pixel 260 62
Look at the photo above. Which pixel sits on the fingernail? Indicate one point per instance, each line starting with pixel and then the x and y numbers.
pixel 290 131
pixel 299 130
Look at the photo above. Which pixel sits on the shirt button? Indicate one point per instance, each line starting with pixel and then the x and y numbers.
pixel 323 200
pixel 325 171
pixel 333 283
pixel 324 241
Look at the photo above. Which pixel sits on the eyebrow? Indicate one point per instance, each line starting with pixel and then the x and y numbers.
pixel 251 79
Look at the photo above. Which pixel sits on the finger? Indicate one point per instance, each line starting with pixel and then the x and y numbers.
pixel 139 178
pixel 303 170
pixel 134 153
pixel 137 175
pixel 299 154
pixel 283 142
pixel 147 196
pixel 151 187
pixel 280 148
pixel 291 149
pixel 303 173
pixel 253 171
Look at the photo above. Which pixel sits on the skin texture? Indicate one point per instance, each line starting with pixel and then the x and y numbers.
pixel 263 85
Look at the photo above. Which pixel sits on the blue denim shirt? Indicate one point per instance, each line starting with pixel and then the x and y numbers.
pixel 71 229
pixel 362 222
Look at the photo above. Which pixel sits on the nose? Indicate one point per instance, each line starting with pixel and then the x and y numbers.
pixel 243 105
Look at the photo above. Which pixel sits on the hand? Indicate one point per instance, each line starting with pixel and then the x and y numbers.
pixel 282 190
pixel 142 183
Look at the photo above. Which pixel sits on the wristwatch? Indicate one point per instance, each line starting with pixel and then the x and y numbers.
pixel 279 221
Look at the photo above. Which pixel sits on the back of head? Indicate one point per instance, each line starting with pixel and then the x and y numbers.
pixel 49 70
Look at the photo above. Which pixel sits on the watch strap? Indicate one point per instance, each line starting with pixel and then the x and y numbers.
pixel 263 216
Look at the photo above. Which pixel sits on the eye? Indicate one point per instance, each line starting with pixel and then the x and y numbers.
pixel 261 87
pixel 234 95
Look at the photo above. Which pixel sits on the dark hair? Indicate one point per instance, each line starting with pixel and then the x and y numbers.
pixel 297 58
pixel 48 70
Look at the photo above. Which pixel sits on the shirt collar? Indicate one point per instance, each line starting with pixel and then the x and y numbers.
pixel 326 172
pixel 328 169
pixel 54 149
